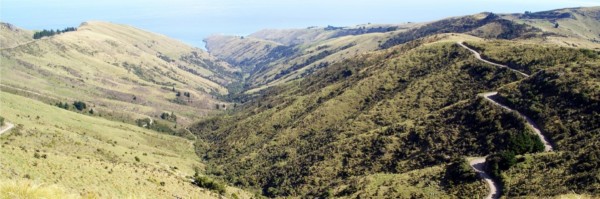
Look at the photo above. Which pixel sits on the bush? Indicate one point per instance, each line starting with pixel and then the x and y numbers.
pixel 1 121
pixel 524 142
pixel 500 162
pixel 63 105
pixel 79 105
pixel 208 183
pixel 459 172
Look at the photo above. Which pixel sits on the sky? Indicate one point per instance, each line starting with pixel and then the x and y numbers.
pixel 192 20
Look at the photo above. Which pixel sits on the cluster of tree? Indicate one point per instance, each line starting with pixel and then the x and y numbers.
pixel 62 105
pixel 48 33
pixel 498 162
pixel 205 182
pixel 168 116
pixel 79 105
pixel 155 125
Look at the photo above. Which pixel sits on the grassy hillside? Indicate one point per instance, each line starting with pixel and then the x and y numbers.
pixel 121 72
pixel 573 27
pixel 411 110
pixel 11 36
pixel 360 117
pixel 563 99
pixel 285 55
pixel 271 57
pixel 91 156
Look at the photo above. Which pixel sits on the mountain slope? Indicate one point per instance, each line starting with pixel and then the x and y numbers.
pixel 284 55
pixel 122 72
pixel 573 27
pixel 410 109
pixel 93 157
pixel 11 36
pixel 296 53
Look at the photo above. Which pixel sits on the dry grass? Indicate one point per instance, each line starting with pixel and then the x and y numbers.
pixel 89 65
pixel 92 155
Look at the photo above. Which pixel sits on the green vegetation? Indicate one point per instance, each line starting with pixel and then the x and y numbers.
pixel 338 128
pixel 323 112
pixel 1 121
pixel 79 105
pixel 74 151
pixel 561 97
pixel 530 58
pixel 205 182
pixel 168 116
pixel 496 163
pixel 48 33
pixel 412 107
pixel 63 105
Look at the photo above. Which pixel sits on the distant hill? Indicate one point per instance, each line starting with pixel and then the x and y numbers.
pixel 11 36
pixel 91 108
pixel 120 71
pixel 288 54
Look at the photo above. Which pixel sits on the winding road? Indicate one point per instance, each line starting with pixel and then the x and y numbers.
pixel 478 56
pixel 530 123
pixel 478 164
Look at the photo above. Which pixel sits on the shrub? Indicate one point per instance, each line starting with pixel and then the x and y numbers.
pixel 79 105
pixel 459 172
pixel 208 183
pixel 1 121
pixel 500 162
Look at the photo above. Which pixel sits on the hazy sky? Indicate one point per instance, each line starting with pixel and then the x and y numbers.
pixel 192 20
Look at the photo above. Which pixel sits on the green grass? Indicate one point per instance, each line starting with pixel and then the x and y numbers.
pixel 91 155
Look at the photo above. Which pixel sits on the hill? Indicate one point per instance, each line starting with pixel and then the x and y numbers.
pixel 366 126
pixel 91 157
pixel 273 56
pixel 120 72
pixel 289 54
pixel 11 36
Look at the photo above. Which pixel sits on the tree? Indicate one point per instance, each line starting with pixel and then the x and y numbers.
pixel 498 162
pixel 459 171
pixel 79 105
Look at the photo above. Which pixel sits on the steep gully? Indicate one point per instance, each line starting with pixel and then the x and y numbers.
pixel 478 164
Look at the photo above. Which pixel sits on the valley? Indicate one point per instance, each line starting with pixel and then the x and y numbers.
pixel 477 106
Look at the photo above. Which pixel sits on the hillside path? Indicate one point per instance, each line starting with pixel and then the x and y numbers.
pixel 530 123
pixel 478 164
pixel 30 92
pixel 478 56
pixel 7 127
